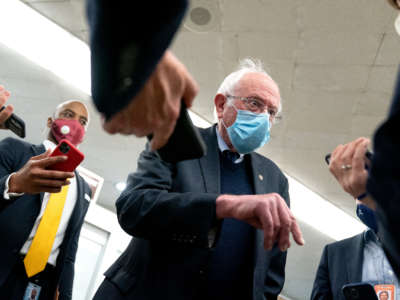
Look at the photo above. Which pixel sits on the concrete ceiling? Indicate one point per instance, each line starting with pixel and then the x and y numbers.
pixel 335 62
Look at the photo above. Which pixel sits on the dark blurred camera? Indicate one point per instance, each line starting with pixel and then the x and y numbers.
pixel 359 291
pixel 64 148
pixel 354 293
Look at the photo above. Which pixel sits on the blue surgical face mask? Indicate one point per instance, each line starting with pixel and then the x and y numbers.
pixel 249 131
pixel 367 216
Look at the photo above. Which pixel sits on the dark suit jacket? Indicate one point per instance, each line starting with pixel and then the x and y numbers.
pixel 17 216
pixel 384 181
pixel 127 39
pixel 341 263
pixel 170 210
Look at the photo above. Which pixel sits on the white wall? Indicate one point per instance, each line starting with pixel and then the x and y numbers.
pixel 101 242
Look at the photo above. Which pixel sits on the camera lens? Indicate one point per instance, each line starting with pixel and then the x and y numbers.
pixel 64 148
pixel 354 293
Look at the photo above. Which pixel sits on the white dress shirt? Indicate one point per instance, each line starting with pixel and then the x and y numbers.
pixel 223 146
pixel 376 268
pixel 66 214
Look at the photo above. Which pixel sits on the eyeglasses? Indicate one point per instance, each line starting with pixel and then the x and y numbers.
pixel 257 106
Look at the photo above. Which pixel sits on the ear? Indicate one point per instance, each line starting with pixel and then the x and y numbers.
pixel 49 122
pixel 220 102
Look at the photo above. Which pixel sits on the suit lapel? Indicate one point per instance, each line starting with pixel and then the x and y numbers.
pixel 210 164
pixel 261 180
pixel 261 177
pixel 81 204
pixel 355 257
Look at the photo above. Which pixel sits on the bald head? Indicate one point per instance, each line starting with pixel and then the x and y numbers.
pixel 73 109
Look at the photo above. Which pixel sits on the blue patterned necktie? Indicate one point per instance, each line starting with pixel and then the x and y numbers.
pixel 230 155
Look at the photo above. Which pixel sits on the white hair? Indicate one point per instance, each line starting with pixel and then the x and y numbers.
pixel 246 65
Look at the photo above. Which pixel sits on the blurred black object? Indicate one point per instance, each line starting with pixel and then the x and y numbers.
pixel 184 143
pixel 15 124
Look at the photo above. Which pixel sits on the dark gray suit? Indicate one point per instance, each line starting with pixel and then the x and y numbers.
pixel 170 210
pixel 18 216
pixel 341 263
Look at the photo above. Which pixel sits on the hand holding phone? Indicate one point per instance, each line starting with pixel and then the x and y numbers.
pixel 36 176
pixel 74 157
pixel 15 124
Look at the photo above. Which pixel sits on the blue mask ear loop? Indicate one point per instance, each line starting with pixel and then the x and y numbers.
pixel 222 119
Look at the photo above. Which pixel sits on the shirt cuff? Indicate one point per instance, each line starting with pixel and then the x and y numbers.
pixel 7 195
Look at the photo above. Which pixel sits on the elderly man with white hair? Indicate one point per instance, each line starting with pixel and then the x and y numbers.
pixel 217 227
pixel 41 211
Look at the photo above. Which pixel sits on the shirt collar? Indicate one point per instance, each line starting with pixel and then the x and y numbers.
pixel 370 236
pixel 49 145
pixel 223 146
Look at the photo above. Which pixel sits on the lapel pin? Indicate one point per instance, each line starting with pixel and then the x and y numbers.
pixel 260 177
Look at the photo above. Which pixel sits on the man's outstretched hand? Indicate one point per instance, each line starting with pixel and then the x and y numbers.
pixel 155 109
pixel 267 212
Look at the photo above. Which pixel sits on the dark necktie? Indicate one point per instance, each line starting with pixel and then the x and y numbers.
pixel 230 155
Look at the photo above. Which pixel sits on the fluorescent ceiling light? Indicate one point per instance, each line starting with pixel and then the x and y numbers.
pixel 322 215
pixel 43 42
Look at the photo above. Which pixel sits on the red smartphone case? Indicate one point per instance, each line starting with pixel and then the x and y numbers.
pixel 75 157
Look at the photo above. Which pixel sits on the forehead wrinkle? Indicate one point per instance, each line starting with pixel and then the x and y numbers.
pixel 65 104
pixel 260 85
pixel 76 112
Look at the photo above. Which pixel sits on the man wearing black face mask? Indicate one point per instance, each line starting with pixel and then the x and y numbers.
pixel 359 258
pixel 41 211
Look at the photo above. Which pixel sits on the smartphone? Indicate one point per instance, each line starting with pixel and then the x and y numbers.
pixel 359 291
pixel 15 124
pixel 75 157
pixel 368 155
pixel 185 141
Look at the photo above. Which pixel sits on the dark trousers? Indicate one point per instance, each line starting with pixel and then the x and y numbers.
pixel 16 283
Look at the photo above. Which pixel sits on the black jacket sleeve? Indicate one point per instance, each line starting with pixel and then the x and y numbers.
pixel 384 181
pixel 127 39
pixel 11 160
pixel 149 208
pixel 275 278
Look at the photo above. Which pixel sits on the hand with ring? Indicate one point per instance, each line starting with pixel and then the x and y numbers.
pixel 346 167
pixel 347 164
